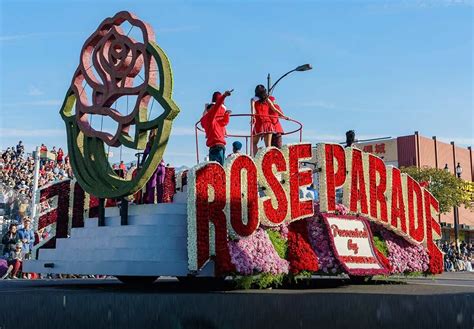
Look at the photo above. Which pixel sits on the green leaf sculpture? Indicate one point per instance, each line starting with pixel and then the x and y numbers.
pixel 110 63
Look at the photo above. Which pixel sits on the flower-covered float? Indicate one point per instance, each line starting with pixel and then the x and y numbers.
pixel 250 219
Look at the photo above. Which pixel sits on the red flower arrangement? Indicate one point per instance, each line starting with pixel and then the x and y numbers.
pixel 93 206
pixel 385 262
pixel 203 210
pixel 78 206
pixel 169 185
pixel 60 214
pixel 300 253
pixel 436 260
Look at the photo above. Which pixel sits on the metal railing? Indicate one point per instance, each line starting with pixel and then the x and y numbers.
pixel 198 128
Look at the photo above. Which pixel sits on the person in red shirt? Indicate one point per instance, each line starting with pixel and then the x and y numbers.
pixel 59 156
pixel 214 120
pixel 264 111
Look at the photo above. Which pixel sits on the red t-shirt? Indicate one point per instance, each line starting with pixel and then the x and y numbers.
pixel 214 122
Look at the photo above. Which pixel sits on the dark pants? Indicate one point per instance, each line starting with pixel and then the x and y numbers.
pixel 277 141
pixel 217 153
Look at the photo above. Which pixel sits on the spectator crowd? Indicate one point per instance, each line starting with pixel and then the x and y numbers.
pixel 17 168
pixel 458 260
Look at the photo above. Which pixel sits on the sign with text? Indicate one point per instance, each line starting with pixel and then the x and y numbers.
pixel 352 242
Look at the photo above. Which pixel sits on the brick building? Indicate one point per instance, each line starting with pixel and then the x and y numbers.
pixel 417 150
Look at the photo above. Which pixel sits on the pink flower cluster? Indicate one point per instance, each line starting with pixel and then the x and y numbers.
pixel 341 209
pixel 319 238
pixel 403 256
pixel 256 254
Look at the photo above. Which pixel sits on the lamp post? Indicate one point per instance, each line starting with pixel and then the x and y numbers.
pixel 456 210
pixel 301 68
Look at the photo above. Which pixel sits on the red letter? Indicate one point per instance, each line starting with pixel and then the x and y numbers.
pixel 211 175
pixel 78 206
pixel 58 215
pixel 336 179
pixel 358 193
pixel 274 157
pixel 398 205
pixel 436 257
pixel 417 231
pixel 236 215
pixel 377 192
pixel 299 178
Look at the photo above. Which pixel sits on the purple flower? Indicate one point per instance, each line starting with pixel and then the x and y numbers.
pixel 256 254
pixel 404 256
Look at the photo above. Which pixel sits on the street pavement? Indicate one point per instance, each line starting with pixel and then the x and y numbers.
pixel 445 301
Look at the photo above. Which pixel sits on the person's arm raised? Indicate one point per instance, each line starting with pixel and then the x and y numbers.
pixel 219 101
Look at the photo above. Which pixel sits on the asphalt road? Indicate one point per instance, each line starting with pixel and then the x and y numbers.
pixel 444 302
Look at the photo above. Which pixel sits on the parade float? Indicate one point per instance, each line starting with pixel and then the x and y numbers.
pixel 250 219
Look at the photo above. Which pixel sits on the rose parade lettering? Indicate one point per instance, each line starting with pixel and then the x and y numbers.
pixel 227 199
pixel 237 198
pixel 378 192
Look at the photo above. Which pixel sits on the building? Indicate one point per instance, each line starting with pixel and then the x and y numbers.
pixel 420 151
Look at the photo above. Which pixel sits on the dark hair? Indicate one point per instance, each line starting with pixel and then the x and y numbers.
pixel 350 138
pixel 214 99
pixel 215 95
pixel 261 92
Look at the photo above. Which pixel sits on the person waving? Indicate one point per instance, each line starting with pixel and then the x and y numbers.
pixel 214 121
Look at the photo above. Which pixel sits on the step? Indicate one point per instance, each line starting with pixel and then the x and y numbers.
pixel 158 231
pixel 117 254
pixel 156 219
pixel 132 242
pixel 149 209
pixel 175 268
pixel 181 197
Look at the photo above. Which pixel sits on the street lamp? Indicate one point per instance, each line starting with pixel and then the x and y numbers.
pixel 456 209
pixel 301 68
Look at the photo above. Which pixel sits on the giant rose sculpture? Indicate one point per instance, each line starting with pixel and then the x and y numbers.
pixel 110 65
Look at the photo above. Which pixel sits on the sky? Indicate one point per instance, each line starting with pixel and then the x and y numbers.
pixel 381 68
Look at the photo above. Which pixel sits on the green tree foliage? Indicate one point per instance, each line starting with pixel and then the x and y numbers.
pixel 449 190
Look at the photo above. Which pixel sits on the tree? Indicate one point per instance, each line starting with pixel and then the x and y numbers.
pixel 445 187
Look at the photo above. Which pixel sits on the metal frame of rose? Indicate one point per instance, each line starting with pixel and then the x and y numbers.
pixel 88 156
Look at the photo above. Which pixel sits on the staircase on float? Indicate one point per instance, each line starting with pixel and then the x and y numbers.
pixel 153 243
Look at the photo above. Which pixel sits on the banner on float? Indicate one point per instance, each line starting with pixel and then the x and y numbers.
pixel 352 244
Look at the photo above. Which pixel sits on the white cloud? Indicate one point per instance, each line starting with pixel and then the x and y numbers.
pixel 21 133
pixel 34 91
pixel 50 102
pixel 312 136
pixel 320 104
pixel 177 29
pixel 15 37
pixel 182 131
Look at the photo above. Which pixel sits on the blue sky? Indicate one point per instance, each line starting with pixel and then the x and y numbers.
pixel 382 68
